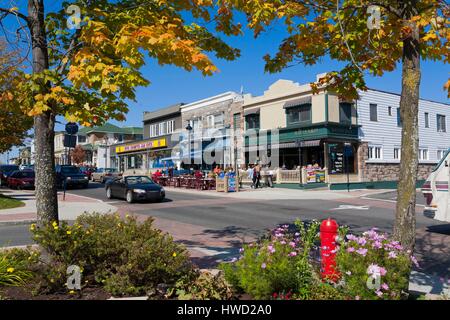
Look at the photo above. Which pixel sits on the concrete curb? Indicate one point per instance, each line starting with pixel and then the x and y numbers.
pixel 17 222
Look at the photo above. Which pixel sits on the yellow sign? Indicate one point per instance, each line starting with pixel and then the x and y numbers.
pixel 152 144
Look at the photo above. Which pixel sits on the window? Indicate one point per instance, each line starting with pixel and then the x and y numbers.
pixel 390 111
pixel 423 154
pixel 152 130
pixel 170 126
pixel 397 153
pixel 298 114
pixel 399 118
pixel 427 120
pixel 210 121
pixel 345 113
pixel 121 137
pixel 236 121
pixel 375 153
pixel 373 112
pixel 219 120
pixel 441 125
pixel 81 139
pixel 252 121
pixel 162 129
pixel 440 154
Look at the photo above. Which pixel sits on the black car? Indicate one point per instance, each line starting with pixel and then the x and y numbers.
pixel 5 171
pixel 135 188
pixel 72 175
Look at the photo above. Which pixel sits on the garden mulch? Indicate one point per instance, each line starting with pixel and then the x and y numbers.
pixel 25 293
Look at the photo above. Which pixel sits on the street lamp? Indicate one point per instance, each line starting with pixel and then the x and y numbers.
pixel 189 129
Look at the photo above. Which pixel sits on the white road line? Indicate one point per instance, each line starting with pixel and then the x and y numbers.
pixel 387 200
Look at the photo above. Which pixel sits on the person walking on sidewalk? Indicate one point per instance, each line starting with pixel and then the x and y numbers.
pixel 256 176
pixel 250 175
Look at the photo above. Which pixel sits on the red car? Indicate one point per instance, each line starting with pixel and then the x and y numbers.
pixel 21 180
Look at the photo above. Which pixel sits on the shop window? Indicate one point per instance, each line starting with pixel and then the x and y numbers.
pixel 441 125
pixel 373 112
pixel 298 114
pixel 345 113
pixel 252 121
pixel 375 153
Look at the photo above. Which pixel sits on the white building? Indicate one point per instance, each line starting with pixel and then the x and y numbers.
pixel 380 134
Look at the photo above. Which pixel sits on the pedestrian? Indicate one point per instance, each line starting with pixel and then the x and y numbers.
pixel 250 175
pixel 258 175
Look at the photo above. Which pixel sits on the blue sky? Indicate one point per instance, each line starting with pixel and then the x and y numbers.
pixel 170 85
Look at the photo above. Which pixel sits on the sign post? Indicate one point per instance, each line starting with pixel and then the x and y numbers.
pixel 348 151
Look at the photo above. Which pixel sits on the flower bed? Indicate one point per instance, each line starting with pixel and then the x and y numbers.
pixel 286 266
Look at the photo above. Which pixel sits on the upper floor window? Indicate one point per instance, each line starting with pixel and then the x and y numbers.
pixel 252 121
pixel 373 112
pixel 219 120
pixel 427 120
pixel 120 137
pixel 298 114
pixel 153 130
pixel 390 111
pixel 162 128
pixel 440 154
pixel 236 121
pixel 345 113
pixel 423 154
pixel 375 153
pixel 399 118
pixel 441 125
pixel 81 139
pixel 170 126
pixel 397 153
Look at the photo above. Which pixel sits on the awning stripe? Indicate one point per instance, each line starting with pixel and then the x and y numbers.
pixel 298 102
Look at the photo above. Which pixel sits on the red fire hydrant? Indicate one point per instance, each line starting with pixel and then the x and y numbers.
pixel 328 235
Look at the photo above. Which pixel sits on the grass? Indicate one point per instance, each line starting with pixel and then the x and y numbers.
pixel 8 203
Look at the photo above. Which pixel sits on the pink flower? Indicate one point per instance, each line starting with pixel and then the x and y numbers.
pixel 377 245
pixel 362 251
pixel 414 260
pixel 362 241
pixel 375 270
pixel 292 244
pixel 278 235
pixel 283 242
pixel 351 249
pixel 271 249
pixel 297 234
pixel 379 293
pixel 385 287
pixel 383 271
pixel 241 250
pixel 392 255
pixel 263 265
pixel 351 237
pixel 292 254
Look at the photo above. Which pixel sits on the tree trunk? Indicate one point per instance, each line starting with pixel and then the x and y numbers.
pixel 405 219
pixel 44 124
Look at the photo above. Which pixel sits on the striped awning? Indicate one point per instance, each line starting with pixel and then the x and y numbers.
pixel 298 102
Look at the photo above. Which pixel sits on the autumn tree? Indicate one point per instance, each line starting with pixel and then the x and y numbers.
pixel 78 155
pixel 14 124
pixel 86 63
pixel 371 37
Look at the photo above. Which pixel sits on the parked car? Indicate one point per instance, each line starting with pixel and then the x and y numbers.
pixel 72 175
pixel 134 188
pixel 21 180
pixel 5 171
pixel 104 174
pixel 26 167
pixel 87 171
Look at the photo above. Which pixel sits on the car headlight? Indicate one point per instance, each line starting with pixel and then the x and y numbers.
pixel 162 189
pixel 69 178
pixel 139 190
pixel 85 178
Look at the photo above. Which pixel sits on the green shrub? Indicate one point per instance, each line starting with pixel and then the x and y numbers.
pixel 15 266
pixel 127 257
pixel 362 260
pixel 279 264
pixel 203 286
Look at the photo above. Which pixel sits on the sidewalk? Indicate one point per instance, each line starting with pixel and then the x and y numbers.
pixel 69 209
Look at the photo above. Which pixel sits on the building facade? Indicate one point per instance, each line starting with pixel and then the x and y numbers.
pixel 211 138
pixel 380 135
pixel 160 136
pixel 96 142
pixel 311 129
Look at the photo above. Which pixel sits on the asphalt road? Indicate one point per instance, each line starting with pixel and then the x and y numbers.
pixel 239 217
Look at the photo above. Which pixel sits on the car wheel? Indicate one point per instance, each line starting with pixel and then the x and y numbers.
pixel 129 196
pixel 109 193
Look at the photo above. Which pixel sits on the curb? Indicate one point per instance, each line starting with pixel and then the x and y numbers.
pixel 17 222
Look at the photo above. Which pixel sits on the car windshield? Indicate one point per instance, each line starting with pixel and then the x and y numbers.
pixel 70 170
pixel 138 180
pixel 110 170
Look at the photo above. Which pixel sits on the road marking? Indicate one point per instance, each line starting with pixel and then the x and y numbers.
pixel 350 207
pixel 390 201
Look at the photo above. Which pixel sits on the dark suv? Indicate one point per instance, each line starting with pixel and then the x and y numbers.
pixel 5 171
pixel 72 175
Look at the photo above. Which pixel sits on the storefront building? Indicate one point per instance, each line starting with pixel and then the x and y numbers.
pixel 154 151
pixel 312 130
pixel 215 132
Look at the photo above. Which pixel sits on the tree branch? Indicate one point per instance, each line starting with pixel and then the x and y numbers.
pixel 16 13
